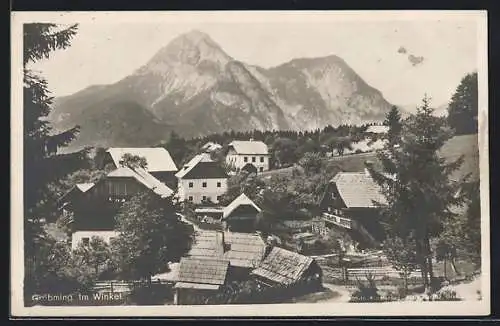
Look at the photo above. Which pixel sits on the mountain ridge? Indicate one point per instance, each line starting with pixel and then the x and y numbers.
pixel 193 87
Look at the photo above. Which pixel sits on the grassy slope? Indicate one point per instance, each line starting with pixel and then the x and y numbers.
pixel 459 145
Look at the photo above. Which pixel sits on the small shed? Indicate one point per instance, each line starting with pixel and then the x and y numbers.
pixel 284 268
pixel 199 279
pixel 241 214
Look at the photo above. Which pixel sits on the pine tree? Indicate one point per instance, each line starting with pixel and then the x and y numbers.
pixel 463 107
pixel 416 184
pixel 393 121
pixel 43 167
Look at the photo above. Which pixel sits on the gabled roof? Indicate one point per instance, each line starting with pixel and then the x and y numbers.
pixel 143 177
pixel 241 200
pixel 250 147
pixel 283 266
pixel 83 187
pixel 358 189
pixel 202 167
pixel 77 189
pixel 202 271
pixel 158 158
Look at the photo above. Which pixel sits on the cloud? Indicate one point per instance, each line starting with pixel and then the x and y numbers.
pixel 402 50
pixel 414 60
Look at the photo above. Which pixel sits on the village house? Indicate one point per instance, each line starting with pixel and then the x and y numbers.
pixel 201 180
pixel 159 162
pixel 240 215
pixel 199 279
pixel 91 208
pixel 252 156
pixel 284 268
pixel 352 202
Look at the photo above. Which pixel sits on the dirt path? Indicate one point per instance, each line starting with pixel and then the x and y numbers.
pixel 468 291
pixel 344 294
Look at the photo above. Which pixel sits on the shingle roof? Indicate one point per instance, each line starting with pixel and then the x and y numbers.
pixel 358 189
pixel 243 249
pixel 249 147
pixel 143 177
pixel 158 158
pixel 283 266
pixel 241 200
pixel 204 271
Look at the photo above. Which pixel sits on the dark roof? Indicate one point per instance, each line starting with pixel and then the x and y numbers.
pixel 283 266
pixel 206 170
pixel 203 270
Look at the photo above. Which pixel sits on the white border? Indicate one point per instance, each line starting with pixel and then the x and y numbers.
pixel 285 310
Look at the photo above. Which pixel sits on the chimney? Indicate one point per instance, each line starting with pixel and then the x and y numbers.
pixel 368 167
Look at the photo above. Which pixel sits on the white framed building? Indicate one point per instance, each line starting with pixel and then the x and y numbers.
pixel 249 155
pixel 201 179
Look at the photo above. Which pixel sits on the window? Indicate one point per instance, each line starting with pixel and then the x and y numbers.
pixel 253 159
pixel 85 241
pixel 190 198
pixel 190 185
pixel 261 169
pixel 262 159
pixel 245 159
pixel 204 198
pixel 204 184
pixel 219 184
pixel 219 198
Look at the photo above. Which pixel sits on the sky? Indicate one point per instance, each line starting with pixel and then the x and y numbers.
pixel 403 58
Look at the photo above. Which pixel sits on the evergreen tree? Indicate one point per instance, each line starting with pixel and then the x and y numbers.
pixel 393 121
pixel 43 166
pixel 416 184
pixel 151 234
pixel 463 107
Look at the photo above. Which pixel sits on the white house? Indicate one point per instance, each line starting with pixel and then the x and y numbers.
pixel 249 155
pixel 201 179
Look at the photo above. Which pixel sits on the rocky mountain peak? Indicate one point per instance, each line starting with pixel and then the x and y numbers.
pixel 193 49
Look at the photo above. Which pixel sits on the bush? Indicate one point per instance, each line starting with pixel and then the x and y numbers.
pixel 444 295
pixel 366 292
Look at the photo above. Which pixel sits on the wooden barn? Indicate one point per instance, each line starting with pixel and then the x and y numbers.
pixel 241 214
pixel 284 268
pixel 199 279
